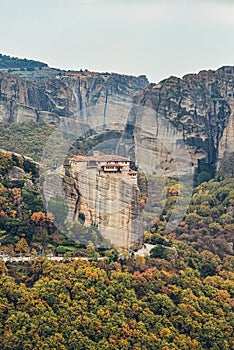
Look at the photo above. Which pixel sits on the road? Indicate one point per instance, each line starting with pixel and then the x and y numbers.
pixel 144 251
pixel 7 258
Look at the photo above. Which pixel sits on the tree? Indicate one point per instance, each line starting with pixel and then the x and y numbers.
pixel 22 246
pixel 3 268
pixel 43 222
pixel 159 252
pixel 112 255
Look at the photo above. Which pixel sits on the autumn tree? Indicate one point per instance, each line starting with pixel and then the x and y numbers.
pixel 43 222
pixel 22 246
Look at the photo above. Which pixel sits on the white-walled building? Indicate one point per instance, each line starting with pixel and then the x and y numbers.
pixel 103 164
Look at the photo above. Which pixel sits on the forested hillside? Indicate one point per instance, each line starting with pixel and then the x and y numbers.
pixel 178 298
pixel 135 303
pixel 28 139
pixel 208 223
pixel 8 62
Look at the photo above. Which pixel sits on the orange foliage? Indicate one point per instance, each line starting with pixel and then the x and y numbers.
pixel 16 194
pixel 42 218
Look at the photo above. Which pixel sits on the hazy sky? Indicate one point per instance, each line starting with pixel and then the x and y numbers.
pixel 158 38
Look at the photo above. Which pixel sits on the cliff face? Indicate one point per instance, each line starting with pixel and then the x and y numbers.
pixel 107 201
pixel 93 97
pixel 195 112
pixel 169 128
pixel 198 108
pixel 225 167
pixel 111 203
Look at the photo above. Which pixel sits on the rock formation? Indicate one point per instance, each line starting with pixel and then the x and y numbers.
pixel 104 194
pixel 195 111
pixel 98 99
pixel 112 204
pixel 176 127
pixel 198 107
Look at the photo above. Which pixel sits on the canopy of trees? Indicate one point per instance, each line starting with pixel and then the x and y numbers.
pixel 133 304
pixel 209 221
pixel 179 298
pixel 28 138
pixel 14 62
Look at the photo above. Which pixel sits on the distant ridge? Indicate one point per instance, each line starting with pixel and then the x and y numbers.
pixel 8 62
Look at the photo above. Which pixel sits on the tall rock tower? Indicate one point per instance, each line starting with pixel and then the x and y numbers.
pixel 103 190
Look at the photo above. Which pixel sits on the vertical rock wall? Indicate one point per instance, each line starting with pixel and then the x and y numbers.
pixel 107 201
pixel 198 109
pixel 97 99
pixel 111 202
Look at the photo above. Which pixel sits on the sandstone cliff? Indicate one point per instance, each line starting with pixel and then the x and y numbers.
pixel 112 203
pixel 92 97
pixel 198 107
pixel 108 202
pixel 176 127
pixel 195 112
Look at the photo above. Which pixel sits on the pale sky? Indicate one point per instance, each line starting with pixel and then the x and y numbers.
pixel 157 38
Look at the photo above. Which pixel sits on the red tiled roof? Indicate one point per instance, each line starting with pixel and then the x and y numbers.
pixel 111 165
pixel 108 158
pixel 77 158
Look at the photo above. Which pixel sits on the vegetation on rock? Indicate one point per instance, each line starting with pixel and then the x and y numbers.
pixel 28 138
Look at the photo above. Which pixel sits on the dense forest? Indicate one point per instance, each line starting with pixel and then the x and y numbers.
pixel 25 138
pixel 208 222
pixel 134 303
pixel 180 297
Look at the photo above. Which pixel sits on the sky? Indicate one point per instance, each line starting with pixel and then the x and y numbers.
pixel 157 38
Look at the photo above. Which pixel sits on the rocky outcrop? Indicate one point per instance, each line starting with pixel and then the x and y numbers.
pixel 112 203
pixel 174 128
pixel 16 168
pixel 194 111
pixel 106 201
pixel 225 167
pixel 198 108
pixel 98 99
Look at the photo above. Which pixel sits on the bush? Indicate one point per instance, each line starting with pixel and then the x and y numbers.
pixel 61 249
pixel 159 252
